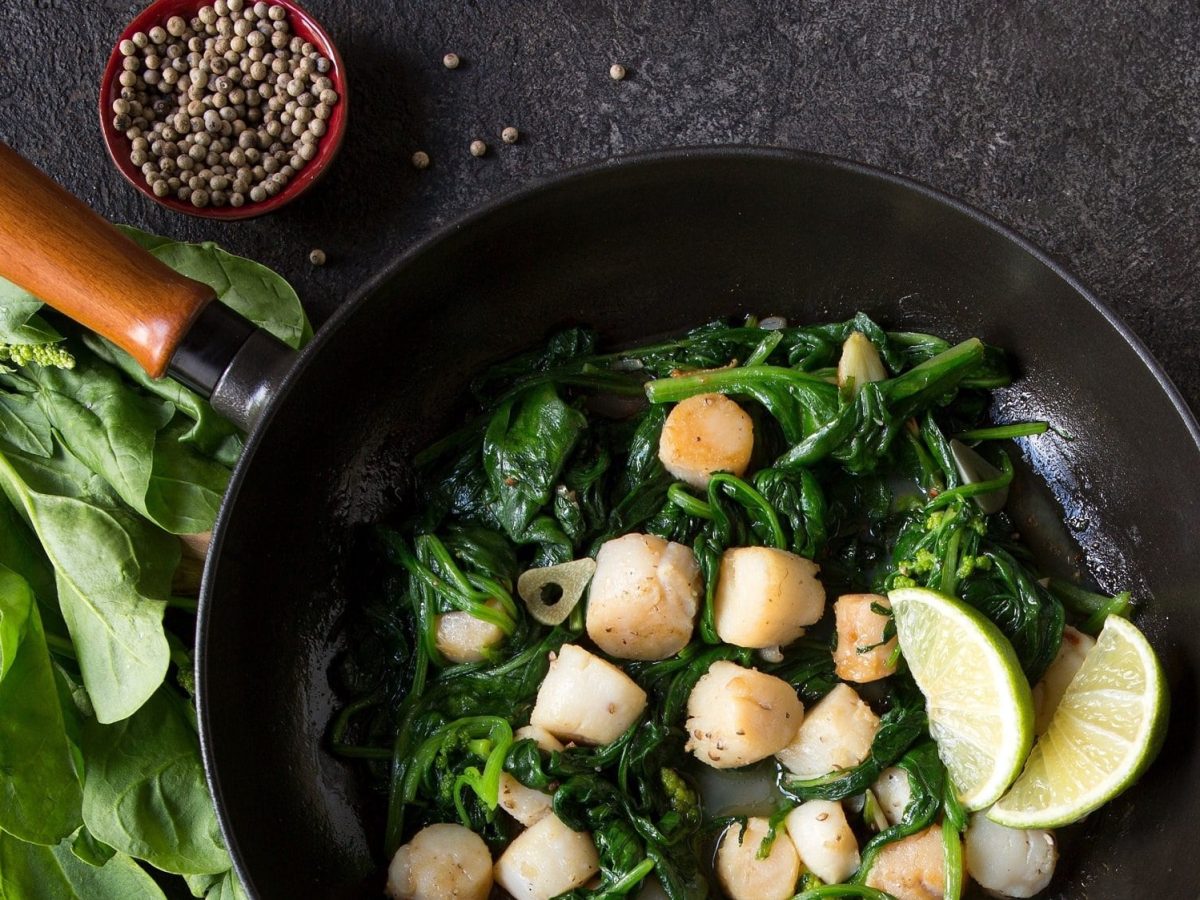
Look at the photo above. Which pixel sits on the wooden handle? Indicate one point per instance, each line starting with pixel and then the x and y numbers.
pixel 56 248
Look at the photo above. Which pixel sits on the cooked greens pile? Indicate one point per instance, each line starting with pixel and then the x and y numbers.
pixel 102 470
pixel 561 455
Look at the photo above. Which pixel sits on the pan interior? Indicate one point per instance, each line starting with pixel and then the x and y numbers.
pixel 646 247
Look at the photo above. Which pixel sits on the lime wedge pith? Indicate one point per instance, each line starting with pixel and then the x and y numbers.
pixel 977 699
pixel 1105 732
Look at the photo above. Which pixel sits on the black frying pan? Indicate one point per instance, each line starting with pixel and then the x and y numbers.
pixel 637 248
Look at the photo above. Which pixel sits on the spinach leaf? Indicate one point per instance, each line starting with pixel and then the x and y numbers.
pixel 93 852
pixel 105 424
pixel 33 872
pixel 145 793
pixel 259 294
pixel 39 788
pixel 525 447
pixel 185 489
pixel 212 435
pixel 113 573
pixel 19 319
pixel 24 426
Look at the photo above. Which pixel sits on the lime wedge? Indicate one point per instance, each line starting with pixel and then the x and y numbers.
pixel 1104 733
pixel 977 699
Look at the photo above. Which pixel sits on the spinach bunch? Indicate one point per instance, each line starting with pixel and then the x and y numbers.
pixel 860 479
pixel 102 791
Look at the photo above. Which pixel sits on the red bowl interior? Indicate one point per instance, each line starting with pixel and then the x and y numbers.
pixel 304 26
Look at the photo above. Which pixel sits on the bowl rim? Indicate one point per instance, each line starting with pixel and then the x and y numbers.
pixel 117 145
pixel 358 298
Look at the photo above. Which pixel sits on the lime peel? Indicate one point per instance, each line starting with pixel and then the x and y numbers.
pixel 955 652
pixel 1078 765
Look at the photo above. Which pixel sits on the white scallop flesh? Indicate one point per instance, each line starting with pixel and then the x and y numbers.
pixel 547 859
pixel 441 861
pixel 893 792
pixel 462 638
pixel 737 716
pixel 744 876
pixel 586 699
pixel 824 839
pixel 644 597
pixel 836 734
pixel 765 597
pixel 1010 862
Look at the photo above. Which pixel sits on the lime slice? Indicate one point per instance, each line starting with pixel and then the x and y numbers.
pixel 977 699
pixel 1104 733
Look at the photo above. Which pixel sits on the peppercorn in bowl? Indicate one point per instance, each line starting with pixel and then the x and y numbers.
pixel 227 109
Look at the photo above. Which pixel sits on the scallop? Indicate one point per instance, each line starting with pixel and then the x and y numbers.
pixel 893 791
pixel 912 868
pixel 547 859
pixel 586 699
pixel 744 876
pixel 859 626
pixel 705 434
pixel 835 734
pixel 441 861
pixel 737 716
pixel 1012 862
pixel 462 638
pixel 525 804
pixel 540 736
pixel 644 597
pixel 765 597
pixel 823 839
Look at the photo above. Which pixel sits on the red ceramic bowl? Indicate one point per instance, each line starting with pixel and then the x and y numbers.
pixel 304 26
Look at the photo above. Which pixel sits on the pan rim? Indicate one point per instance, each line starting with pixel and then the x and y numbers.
pixel 357 298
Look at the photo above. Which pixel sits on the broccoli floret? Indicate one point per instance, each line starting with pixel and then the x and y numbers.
pixel 49 355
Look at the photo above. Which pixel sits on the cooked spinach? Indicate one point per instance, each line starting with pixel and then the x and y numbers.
pixel 858 478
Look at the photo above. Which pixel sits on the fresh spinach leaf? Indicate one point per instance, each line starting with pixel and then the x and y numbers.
pixel 145 793
pixel 113 573
pixel 19 319
pixel 39 788
pixel 259 294
pixel 24 425
pixel 34 872
pixel 212 435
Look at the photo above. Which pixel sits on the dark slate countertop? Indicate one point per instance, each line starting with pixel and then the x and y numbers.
pixel 1075 122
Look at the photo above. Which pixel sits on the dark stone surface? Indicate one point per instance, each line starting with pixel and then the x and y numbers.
pixel 1076 122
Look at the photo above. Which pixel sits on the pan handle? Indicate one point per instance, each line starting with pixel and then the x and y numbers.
pixel 55 247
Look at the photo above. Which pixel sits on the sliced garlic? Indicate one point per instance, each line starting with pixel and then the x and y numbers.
pixel 550 593
pixel 860 363
pixel 972 469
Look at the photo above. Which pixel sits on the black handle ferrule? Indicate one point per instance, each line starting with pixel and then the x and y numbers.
pixel 204 354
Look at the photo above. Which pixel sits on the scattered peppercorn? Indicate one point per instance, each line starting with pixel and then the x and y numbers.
pixel 420 160
pixel 616 72
pixel 317 257
pixel 478 148
pixel 225 107
pixel 510 135
pixel 451 60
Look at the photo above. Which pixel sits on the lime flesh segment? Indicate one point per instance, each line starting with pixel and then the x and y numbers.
pixel 1104 733
pixel 977 699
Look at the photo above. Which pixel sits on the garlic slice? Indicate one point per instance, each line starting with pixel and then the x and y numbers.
pixel 972 469
pixel 860 363
pixel 551 592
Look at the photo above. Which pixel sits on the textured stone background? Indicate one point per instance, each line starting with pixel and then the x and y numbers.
pixel 1074 121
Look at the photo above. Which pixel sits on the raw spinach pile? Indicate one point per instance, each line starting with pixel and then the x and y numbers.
pixel 102 470
pixel 560 455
